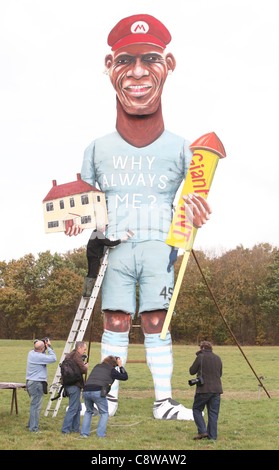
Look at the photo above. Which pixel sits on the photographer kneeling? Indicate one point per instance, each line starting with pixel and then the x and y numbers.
pixel 208 367
pixel 96 389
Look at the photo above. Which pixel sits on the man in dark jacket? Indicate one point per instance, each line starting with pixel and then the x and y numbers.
pixel 96 389
pixel 94 253
pixel 71 421
pixel 208 367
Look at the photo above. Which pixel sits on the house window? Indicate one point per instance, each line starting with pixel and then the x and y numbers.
pixel 72 202
pixel 86 219
pixel 98 199
pixel 61 204
pixel 53 224
pixel 49 206
pixel 84 199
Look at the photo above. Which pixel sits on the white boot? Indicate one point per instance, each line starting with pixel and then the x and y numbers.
pixel 171 409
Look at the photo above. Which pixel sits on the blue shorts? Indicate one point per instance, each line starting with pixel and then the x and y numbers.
pixel 143 264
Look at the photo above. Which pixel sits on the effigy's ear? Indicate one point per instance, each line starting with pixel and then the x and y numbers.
pixel 171 62
pixel 108 61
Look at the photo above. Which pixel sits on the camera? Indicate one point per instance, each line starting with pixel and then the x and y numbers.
pixel 105 390
pixel 45 340
pixel 197 381
pixel 84 357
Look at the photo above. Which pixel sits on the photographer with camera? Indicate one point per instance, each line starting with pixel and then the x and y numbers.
pixel 36 378
pixel 208 367
pixel 95 392
pixel 71 421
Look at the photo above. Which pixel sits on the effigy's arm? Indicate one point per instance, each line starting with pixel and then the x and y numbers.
pixel 206 153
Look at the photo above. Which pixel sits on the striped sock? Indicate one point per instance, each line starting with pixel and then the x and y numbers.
pixel 160 362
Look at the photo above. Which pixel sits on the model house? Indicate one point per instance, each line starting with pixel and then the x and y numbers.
pixel 75 203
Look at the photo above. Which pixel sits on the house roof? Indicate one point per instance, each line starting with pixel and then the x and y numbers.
pixel 69 189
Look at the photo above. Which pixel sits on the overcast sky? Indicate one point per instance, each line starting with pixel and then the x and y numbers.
pixel 55 99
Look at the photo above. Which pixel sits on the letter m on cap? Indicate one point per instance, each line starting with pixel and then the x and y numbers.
pixel 139 27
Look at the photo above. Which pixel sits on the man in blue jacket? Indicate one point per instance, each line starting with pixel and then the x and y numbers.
pixel 36 378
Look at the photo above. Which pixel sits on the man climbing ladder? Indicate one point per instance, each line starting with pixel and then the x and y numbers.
pixel 94 253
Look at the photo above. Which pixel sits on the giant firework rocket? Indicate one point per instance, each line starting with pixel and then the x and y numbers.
pixel 206 153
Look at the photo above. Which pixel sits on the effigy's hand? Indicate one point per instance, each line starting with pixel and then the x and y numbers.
pixel 73 230
pixel 197 209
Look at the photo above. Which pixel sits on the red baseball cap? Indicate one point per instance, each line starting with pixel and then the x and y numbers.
pixel 138 29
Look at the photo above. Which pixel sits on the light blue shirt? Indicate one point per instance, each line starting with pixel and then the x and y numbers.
pixel 140 184
pixel 36 364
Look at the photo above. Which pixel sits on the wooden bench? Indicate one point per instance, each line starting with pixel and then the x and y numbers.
pixel 13 386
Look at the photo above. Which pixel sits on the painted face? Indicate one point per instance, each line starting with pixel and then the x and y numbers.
pixel 138 73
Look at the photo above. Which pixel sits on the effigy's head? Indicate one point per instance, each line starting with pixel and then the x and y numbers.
pixel 138 64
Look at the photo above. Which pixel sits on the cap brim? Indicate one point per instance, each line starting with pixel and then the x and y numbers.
pixel 138 39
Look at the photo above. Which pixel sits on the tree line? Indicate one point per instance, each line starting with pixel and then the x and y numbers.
pixel 39 296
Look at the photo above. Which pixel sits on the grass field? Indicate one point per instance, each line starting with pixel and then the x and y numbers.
pixel 248 419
